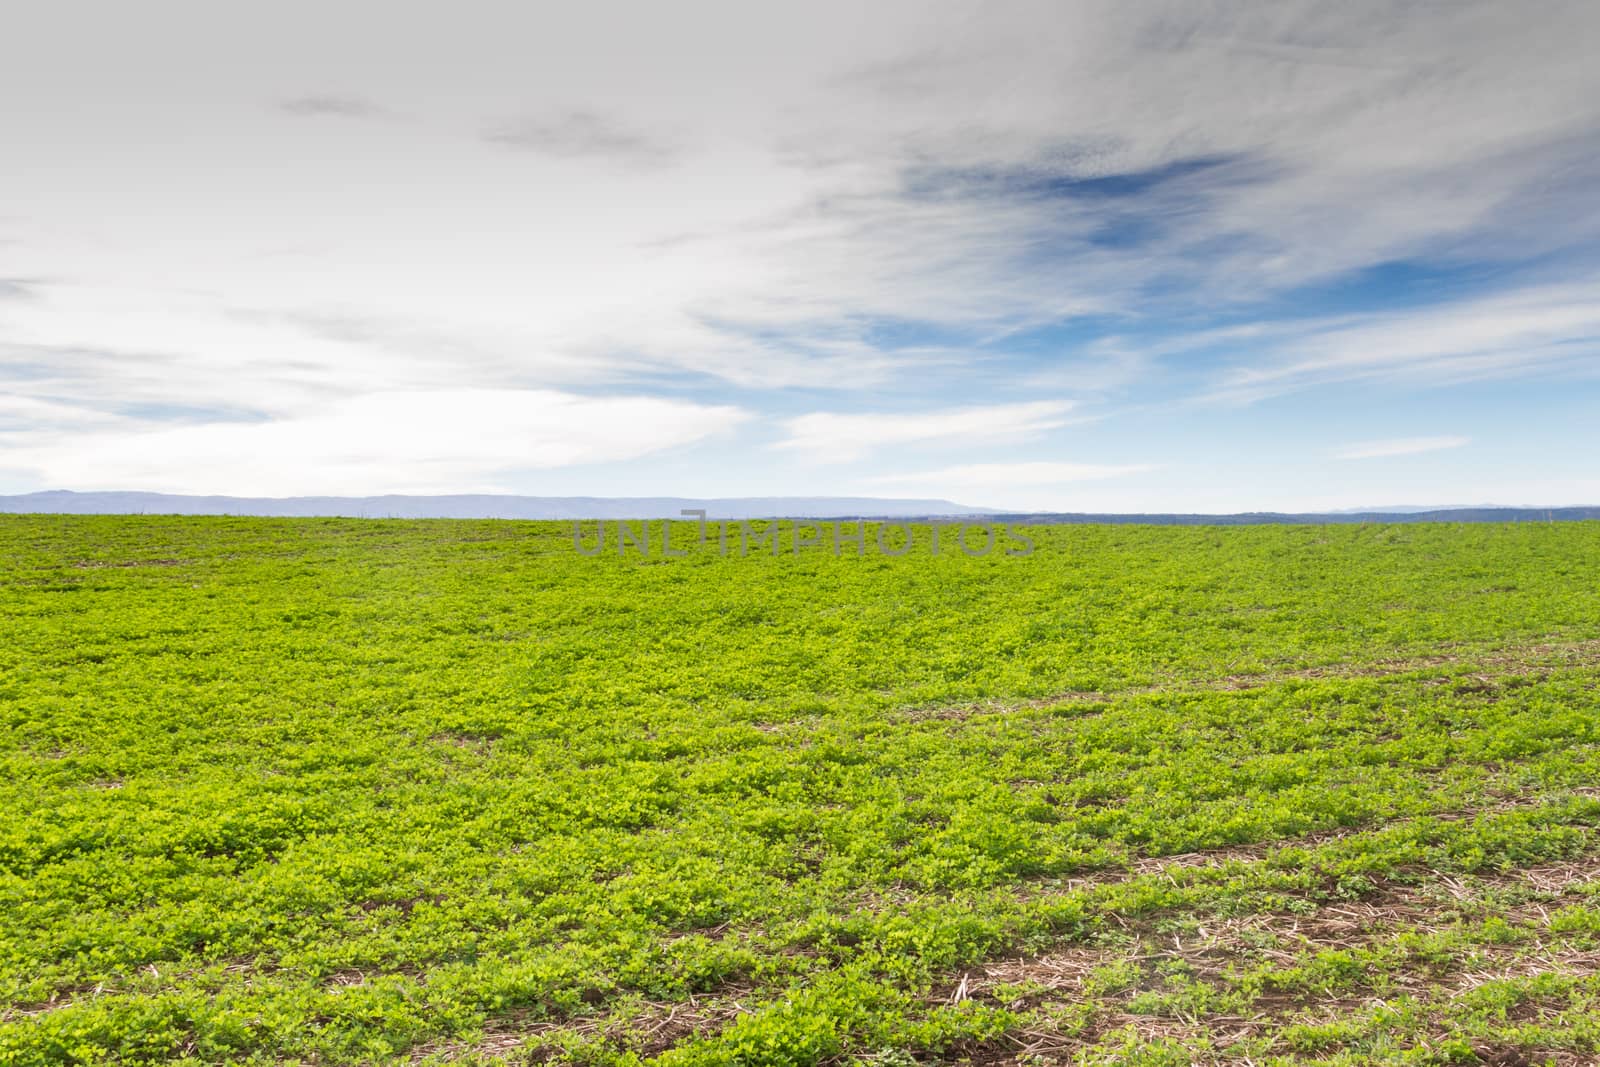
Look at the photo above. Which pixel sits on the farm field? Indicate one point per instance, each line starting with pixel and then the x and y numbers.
pixel 451 792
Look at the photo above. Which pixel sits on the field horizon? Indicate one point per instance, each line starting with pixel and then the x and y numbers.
pixel 595 508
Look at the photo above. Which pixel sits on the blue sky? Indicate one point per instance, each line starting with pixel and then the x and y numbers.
pixel 1082 256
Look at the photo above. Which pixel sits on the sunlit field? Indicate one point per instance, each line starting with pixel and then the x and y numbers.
pixel 361 791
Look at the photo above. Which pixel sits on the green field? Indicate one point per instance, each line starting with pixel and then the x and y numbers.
pixel 358 791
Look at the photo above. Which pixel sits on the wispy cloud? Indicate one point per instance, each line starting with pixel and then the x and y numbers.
pixel 1463 340
pixel 439 441
pixel 1036 485
pixel 585 135
pixel 19 288
pixel 332 105
pixel 22 417
pixel 838 438
pixel 1042 473
pixel 1400 446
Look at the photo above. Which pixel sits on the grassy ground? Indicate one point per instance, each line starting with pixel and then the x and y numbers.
pixel 450 792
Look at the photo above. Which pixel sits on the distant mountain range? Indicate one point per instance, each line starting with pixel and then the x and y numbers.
pixel 488 506
pixel 1258 518
pixel 484 506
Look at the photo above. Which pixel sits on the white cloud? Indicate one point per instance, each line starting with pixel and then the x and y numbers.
pixel 1401 446
pixel 835 438
pixel 1039 473
pixel 463 440
pixel 1356 136
pixel 22 415
pixel 1041 485
pixel 1538 328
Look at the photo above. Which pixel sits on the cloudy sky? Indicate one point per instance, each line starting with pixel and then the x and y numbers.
pixel 1072 255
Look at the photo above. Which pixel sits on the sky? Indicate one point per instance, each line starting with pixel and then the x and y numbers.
pixel 1075 256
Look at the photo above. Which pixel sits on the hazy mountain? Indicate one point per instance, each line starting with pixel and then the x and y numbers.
pixel 477 506
pixel 1408 509
pixel 1257 518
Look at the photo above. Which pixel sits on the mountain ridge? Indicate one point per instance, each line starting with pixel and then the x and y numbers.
pixel 474 506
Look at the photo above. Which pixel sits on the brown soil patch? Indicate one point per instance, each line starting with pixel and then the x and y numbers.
pixel 648 1029
pixel 1505 660
pixel 1207 952
pixel 1210 951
